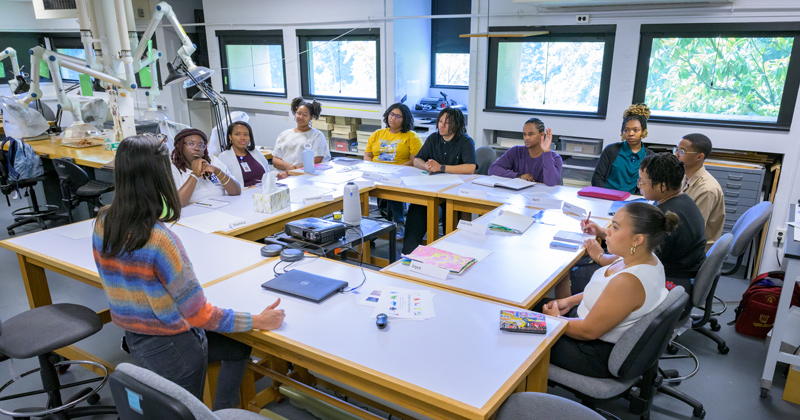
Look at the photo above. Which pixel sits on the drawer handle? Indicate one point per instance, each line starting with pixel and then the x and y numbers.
pixel 731 202
pixel 736 186
pixel 732 194
pixel 730 210
pixel 735 177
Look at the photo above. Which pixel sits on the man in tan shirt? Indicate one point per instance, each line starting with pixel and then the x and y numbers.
pixel 700 185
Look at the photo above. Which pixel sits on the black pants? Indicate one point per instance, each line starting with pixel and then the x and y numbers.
pixel 581 273
pixel 416 226
pixel 584 357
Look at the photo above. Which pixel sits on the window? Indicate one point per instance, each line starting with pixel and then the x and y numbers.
pixel 560 73
pixel 72 46
pixel 252 62
pixel 722 75
pixel 345 69
pixel 450 53
pixel 21 43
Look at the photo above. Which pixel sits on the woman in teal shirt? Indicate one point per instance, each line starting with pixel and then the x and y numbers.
pixel 618 168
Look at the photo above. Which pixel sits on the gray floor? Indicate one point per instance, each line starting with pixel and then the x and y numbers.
pixel 728 385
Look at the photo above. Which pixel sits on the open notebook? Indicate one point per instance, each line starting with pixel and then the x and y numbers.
pixel 499 181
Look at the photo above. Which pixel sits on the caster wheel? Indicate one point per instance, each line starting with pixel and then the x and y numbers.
pixel 63 369
pixel 10 232
pixel 724 350
pixel 764 392
pixel 699 413
pixel 670 373
pixel 645 416
pixel 94 399
pixel 672 349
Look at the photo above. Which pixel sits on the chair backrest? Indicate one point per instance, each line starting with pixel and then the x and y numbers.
pixel 746 228
pixel 141 394
pixel 709 271
pixel 541 406
pixel 70 174
pixel 641 345
pixel 485 156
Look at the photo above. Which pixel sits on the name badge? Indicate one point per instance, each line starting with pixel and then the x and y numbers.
pixel 428 270
pixel 472 227
pixel 545 203
pixel 571 208
pixel 234 225
pixel 245 167
pixel 372 175
pixel 468 192
pixel 318 199
pixel 389 180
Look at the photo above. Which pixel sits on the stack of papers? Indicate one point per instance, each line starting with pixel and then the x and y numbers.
pixel 212 221
pixel 508 221
pixel 454 263
pixel 499 181
pixel 401 303
pixel 572 237
pixel 300 193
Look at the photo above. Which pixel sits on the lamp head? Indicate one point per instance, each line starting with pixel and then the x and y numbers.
pixel 200 74
pixel 175 75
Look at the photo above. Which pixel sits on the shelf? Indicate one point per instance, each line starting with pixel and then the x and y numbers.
pixel 576 154
pixel 582 168
pixel 346 153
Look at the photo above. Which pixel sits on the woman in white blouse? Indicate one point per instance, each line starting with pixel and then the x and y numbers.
pixel 198 176
pixel 245 164
pixel 618 295
pixel 288 152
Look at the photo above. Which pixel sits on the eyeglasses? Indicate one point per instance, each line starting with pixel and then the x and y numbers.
pixel 201 146
pixel 641 181
pixel 680 152
pixel 395 116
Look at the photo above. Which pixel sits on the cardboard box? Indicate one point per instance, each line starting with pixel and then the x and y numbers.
pixel 791 392
pixel 270 203
pixel 343 145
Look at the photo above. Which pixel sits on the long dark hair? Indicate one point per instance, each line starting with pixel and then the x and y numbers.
pixel 408 118
pixel 456 119
pixel 251 146
pixel 177 153
pixel 144 191
pixel 650 221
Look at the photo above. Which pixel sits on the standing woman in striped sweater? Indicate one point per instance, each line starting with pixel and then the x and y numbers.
pixel 151 287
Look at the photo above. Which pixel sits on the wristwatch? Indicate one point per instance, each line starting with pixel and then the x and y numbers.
pixel 441 169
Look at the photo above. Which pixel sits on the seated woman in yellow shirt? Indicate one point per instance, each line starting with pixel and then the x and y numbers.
pixel 397 144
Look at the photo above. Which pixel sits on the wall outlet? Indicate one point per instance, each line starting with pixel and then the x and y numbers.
pixel 582 19
pixel 780 235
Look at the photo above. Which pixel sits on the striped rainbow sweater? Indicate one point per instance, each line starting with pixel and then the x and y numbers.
pixel 154 291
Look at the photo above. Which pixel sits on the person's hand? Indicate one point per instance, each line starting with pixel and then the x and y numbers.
pixel 592 228
pixel 197 167
pixel 433 166
pixel 526 177
pixel 547 139
pixel 557 307
pixel 270 318
pixel 211 169
pixel 282 174
pixel 593 249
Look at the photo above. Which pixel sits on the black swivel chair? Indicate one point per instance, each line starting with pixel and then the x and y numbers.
pixel 485 156
pixel 76 187
pixel 31 214
pixel 38 333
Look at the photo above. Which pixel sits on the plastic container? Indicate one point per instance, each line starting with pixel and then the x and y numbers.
pixel 351 205
pixel 576 145
pixel 308 159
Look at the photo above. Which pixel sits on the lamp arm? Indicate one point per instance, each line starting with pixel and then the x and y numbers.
pixel 11 54
pixel 187 48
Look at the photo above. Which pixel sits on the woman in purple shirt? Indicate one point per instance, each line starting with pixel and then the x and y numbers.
pixel 534 161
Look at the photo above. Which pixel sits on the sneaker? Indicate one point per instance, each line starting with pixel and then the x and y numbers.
pixel 401 232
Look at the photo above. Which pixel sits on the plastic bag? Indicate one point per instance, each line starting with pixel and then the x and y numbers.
pixel 20 122
pixel 94 112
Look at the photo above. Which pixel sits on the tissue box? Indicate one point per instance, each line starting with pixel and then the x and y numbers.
pixel 271 202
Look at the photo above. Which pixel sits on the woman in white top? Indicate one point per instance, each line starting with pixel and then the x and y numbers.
pixel 288 152
pixel 617 295
pixel 197 176
pixel 245 164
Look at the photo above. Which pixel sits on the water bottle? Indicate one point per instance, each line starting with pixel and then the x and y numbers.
pixel 351 205
pixel 308 159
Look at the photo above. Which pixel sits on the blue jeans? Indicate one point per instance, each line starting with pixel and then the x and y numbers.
pixel 398 209
pixel 184 358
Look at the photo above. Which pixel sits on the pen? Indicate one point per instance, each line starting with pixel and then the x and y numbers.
pixel 204 204
pixel 587 220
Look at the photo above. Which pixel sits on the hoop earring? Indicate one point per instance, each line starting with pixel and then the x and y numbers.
pixel 633 249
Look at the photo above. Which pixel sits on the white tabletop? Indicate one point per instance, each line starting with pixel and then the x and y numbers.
pixel 429 354
pixel 394 173
pixel 520 266
pixel 212 256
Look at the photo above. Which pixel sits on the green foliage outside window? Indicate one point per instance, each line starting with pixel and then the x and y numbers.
pixel 718 78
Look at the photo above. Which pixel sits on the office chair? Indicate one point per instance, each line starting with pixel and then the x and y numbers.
pixel 31 214
pixel 142 394
pixel 633 361
pixel 76 187
pixel 745 230
pixel 38 333
pixel 541 406
pixel 485 156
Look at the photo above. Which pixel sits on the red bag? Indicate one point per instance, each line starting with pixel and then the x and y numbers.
pixel 604 193
pixel 756 311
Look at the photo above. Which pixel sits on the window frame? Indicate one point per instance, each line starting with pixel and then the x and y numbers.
pixel 23 56
pixel 365 34
pixel 434 50
pixel 243 37
pixel 567 33
pixel 68 41
pixel 743 30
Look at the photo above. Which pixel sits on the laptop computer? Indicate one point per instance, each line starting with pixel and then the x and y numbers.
pixel 305 285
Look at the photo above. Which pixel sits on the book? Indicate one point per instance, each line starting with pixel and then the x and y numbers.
pixel 457 264
pixel 508 221
pixel 615 206
pixel 523 321
pixel 499 181
pixel 322 125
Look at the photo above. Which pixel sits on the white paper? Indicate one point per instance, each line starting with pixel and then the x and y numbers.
pixel 338 177
pixel 375 176
pixel 212 221
pixel 489 181
pixel 381 169
pixel 300 193
pixel 318 199
pixel 76 230
pixel 472 193
pixel 516 183
pixel 543 200
pixel 211 203
pixel 405 304
pixel 572 237
pixel 431 180
pixel 573 209
pixel 513 220
pixel 463 250
pixel 428 269
pixel 472 227
pixel 364 184
pixel 392 180
pixel 503 198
